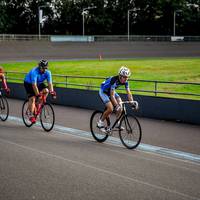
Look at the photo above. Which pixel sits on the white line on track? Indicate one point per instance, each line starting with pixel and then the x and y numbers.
pixel 143 147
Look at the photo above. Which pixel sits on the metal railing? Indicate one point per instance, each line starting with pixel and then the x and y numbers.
pixel 138 38
pixel 100 38
pixel 20 37
pixel 146 87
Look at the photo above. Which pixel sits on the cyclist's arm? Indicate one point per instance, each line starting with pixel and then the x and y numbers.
pixel 130 96
pixel 49 80
pixel 112 97
pixel 2 77
pixel 33 79
pixel 50 86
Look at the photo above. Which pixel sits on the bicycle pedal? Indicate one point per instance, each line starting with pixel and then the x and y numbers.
pixel 108 131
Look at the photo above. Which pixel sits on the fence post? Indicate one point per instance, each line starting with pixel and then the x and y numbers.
pixel 66 80
pixel 156 87
pixel 6 73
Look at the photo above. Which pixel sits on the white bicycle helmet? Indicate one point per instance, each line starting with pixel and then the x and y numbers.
pixel 124 71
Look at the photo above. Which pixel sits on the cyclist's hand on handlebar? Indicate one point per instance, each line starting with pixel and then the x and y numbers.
pixel 135 105
pixel 117 108
pixel 38 96
pixel 53 94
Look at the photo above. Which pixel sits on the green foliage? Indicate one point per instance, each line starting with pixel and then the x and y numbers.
pixel 109 17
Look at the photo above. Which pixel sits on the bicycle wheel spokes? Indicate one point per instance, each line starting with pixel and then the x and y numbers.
pixel 47 117
pixel 25 114
pixel 132 133
pixel 98 135
pixel 4 108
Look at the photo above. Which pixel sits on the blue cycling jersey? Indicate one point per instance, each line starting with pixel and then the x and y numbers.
pixel 36 77
pixel 111 84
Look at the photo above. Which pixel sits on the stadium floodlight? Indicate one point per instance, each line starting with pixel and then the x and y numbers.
pixel 174 29
pixel 84 12
pixel 41 19
pixel 192 5
pixel 128 19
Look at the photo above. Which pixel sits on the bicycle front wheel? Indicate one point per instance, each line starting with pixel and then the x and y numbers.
pixel 47 117
pixel 98 135
pixel 25 114
pixel 4 108
pixel 130 133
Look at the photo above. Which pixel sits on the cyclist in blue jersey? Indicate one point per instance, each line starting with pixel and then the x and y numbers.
pixel 110 97
pixel 34 85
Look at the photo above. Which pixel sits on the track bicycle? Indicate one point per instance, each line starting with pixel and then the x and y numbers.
pixel 4 107
pixel 43 110
pixel 130 132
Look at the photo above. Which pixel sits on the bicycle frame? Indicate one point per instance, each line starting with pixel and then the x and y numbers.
pixel 124 113
pixel 39 105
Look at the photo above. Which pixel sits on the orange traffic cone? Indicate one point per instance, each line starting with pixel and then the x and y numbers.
pixel 100 56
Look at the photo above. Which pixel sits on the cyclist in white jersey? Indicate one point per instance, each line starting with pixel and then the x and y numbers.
pixel 110 97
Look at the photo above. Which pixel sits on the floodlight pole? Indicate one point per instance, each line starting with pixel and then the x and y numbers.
pixel 39 28
pixel 39 22
pixel 128 23
pixel 174 32
pixel 83 13
pixel 174 28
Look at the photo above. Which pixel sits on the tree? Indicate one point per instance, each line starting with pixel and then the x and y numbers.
pixel 4 25
pixel 152 17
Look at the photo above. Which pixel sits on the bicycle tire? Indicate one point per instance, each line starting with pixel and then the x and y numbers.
pixel 97 134
pixel 47 112
pixel 132 129
pixel 4 106
pixel 24 114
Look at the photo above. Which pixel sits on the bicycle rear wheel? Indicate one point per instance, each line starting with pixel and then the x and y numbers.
pixel 132 133
pixel 47 117
pixel 25 115
pixel 4 108
pixel 98 135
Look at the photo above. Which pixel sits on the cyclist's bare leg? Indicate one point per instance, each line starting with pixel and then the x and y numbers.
pixel 31 104
pixel 45 91
pixel 118 113
pixel 108 111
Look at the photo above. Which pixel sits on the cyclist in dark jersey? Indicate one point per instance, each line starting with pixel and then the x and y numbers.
pixel 33 84
pixel 110 97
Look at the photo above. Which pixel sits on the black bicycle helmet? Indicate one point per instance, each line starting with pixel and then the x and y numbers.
pixel 43 64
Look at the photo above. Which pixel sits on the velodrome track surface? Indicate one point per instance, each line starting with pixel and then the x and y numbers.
pixel 61 165
pixel 28 50
pixel 58 165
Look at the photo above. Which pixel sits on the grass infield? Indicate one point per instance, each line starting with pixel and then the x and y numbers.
pixel 161 69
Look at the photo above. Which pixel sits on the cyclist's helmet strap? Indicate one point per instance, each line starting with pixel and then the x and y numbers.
pixel 124 71
pixel 43 64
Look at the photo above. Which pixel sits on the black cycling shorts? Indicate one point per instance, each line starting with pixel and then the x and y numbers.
pixel 29 88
